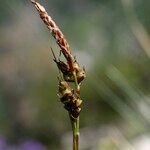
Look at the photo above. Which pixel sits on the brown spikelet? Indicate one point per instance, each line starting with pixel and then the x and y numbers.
pixel 56 33
pixel 71 101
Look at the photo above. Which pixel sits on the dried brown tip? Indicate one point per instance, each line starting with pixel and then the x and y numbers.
pixel 56 33
pixel 39 7
pixel 33 1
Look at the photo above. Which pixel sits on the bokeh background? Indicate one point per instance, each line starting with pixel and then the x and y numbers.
pixel 111 40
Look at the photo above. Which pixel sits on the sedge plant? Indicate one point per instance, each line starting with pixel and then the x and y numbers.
pixel 69 72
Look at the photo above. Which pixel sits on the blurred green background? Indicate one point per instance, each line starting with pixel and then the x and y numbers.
pixel 111 40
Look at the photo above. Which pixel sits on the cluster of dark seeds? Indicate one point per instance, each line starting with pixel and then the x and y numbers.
pixel 68 97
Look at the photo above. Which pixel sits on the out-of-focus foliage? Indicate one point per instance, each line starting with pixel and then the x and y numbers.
pixel 111 39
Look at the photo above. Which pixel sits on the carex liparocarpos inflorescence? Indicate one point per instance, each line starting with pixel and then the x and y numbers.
pixel 70 71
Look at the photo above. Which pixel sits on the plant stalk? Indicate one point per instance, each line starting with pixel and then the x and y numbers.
pixel 75 131
pixel 75 121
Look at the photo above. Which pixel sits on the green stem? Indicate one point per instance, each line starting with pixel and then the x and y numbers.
pixel 75 121
pixel 75 130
